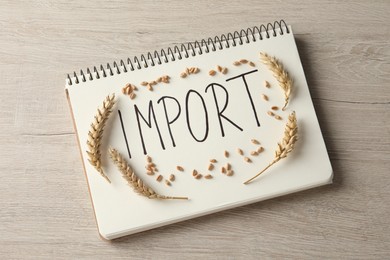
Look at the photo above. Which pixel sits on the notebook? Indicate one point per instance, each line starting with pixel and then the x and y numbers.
pixel 195 122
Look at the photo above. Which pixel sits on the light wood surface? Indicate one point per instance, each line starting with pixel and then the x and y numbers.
pixel 45 211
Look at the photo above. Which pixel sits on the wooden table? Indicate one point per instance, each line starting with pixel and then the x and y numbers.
pixel 45 209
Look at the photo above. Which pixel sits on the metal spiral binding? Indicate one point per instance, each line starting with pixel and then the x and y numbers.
pixel 182 51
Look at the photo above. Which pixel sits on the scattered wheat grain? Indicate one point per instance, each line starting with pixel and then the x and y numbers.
pixel 198 176
pixel 254 141
pixel 211 167
pixel 228 166
pixel 266 84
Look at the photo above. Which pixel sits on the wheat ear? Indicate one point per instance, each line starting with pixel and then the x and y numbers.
pixel 134 181
pixel 280 74
pixel 284 147
pixel 95 135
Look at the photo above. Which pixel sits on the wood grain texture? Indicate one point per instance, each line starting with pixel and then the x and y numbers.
pixel 45 210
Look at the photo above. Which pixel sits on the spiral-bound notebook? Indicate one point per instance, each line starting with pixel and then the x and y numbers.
pixel 209 115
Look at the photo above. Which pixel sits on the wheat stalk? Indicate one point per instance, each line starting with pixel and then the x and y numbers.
pixel 134 181
pixel 284 147
pixel 280 74
pixel 95 135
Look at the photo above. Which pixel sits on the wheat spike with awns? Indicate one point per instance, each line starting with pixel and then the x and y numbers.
pixel 133 180
pixel 285 146
pixel 95 134
pixel 280 74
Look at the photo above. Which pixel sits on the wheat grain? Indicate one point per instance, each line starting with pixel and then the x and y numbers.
pixel 213 161
pixel 212 72
pixel 254 141
pixel 159 178
pixel 243 61
pixel 247 159
pixel 270 113
pixel 208 176
pixel 236 63
pixel 260 149
pixel 95 134
pixel 172 177
pixel 275 108
pixel 194 172
pixel 252 64
pixel 179 168
pixel 183 74
pixel 230 173
pixel 278 117
pixel 133 180
pixel 223 170
pixel 280 74
pixel 228 166
pixel 240 151
pixel 266 84
pixel 254 153
pixel 226 154
pixel 198 176
pixel 265 97
pixel 168 183
pixel 219 68
pixel 224 71
pixel 285 146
